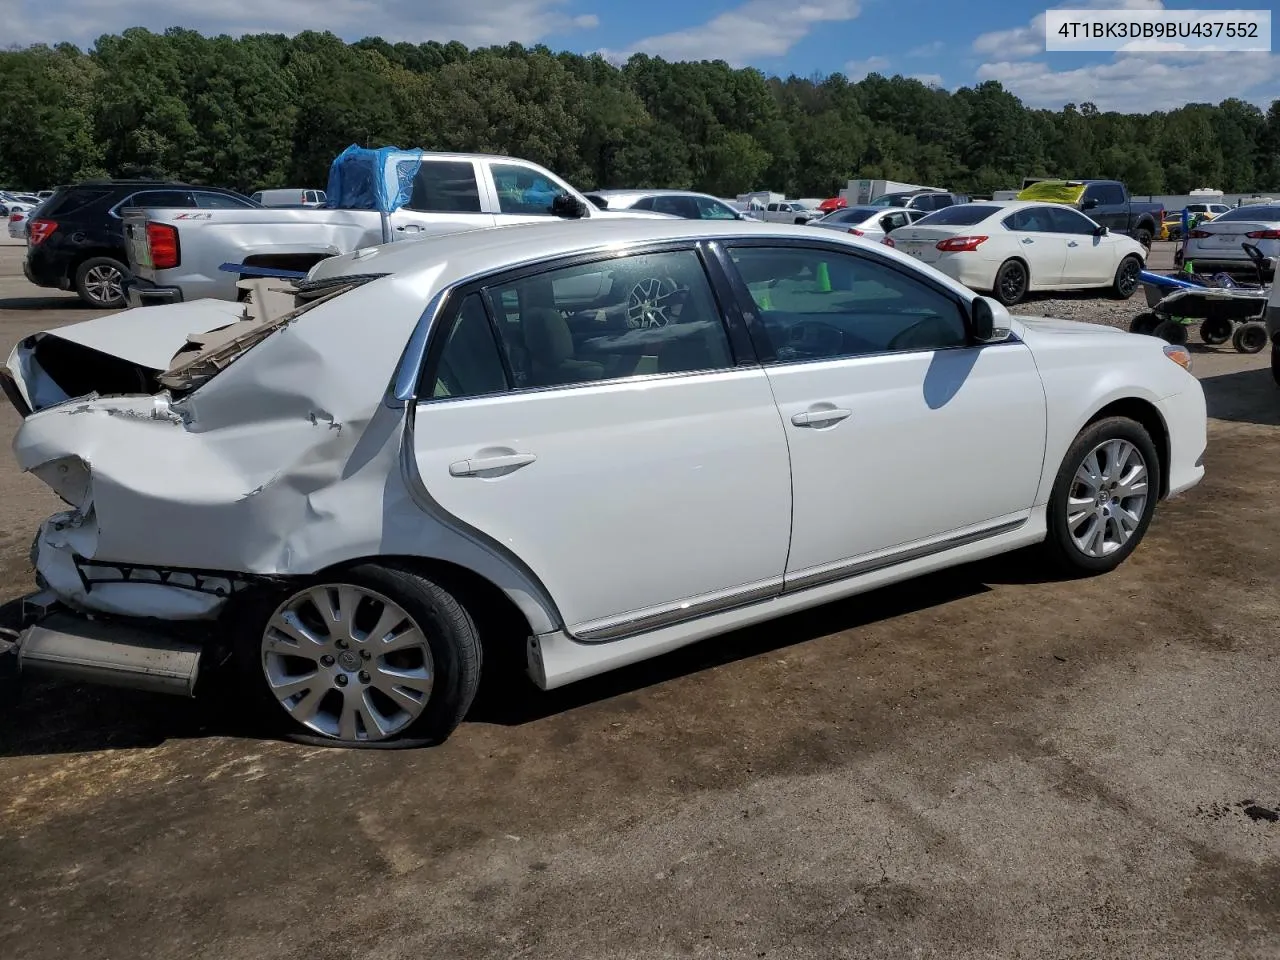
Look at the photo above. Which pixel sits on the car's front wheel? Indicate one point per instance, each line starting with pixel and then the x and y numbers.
pixel 372 657
pixel 1103 497
pixel 1125 282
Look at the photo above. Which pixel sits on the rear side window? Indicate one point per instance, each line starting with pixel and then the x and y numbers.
pixel 160 198
pixel 1106 194
pixel 676 207
pixel 470 364
pixel 445 186
pixel 960 215
pixel 73 199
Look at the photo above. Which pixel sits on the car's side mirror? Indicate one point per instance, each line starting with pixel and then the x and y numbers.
pixel 1088 203
pixel 568 207
pixel 988 321
pixel 1099 231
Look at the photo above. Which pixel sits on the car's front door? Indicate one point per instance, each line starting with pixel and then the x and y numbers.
pixel 618 448
pixel 1044 251
pixel 1091 259
pixel 900 430
pixel 445 199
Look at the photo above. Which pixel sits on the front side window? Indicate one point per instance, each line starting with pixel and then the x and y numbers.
pixel 819 305
pixel 676 206
pixel 445 186
pixel 709 209
pixel 625 317
pixel 470 364
pixel 1066 220
pixel 523 190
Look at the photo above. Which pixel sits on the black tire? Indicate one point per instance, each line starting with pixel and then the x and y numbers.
pixel 99 283
pixel 1250 337
pixel 1216 330
pixel 1012 281
pixel 1171 331
pixel 1143 236
pixel 1144 323
pixel 1275 363
pixel 1059 543
pixel 450 632
pixel 1126 284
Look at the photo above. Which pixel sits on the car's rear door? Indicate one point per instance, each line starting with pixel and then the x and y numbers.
pixel 446 198
pixel 625 452
pixel 1038 243
pixel 901 432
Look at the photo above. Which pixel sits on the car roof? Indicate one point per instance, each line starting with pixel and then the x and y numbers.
pixel 648 193
pixel 435 262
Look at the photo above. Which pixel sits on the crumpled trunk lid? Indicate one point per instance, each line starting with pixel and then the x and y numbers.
pixel 123 353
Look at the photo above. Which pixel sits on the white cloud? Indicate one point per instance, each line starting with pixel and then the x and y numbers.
pixel 1141 84
pixel 475 23
pixel 756 29
pixel 857 69
pixel 1020 43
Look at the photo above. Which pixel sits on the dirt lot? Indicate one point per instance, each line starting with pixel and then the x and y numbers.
pixel 980 764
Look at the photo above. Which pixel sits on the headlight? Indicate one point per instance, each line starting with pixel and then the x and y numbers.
pixel 1179 355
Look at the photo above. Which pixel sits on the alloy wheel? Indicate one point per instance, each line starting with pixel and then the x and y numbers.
pixel 1107 498
pixel 1128 278
pixel 347 663
pixel 104 284
pixel 1013 282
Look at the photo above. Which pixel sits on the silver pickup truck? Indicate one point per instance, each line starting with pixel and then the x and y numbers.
pixel 178 255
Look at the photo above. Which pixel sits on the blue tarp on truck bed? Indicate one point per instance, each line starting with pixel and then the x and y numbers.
pixel 381 179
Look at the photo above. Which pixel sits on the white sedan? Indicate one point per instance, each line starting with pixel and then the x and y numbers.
pixel 580 444
pixel 1014 247
pixel 869 223
pixel 1219 244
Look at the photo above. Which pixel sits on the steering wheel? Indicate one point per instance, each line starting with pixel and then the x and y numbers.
pixel 652 302
pixel 811 339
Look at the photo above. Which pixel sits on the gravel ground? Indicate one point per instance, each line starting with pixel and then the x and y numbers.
pixel 1096 306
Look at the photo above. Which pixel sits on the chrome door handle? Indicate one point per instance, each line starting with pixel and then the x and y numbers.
pixel 1027 240
pixel 472 468
pixel 1073 244
pixel 820 418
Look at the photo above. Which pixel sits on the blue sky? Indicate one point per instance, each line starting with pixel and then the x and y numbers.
pixel 940 41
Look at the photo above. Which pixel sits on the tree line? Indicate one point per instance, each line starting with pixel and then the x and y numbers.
pixel 271 110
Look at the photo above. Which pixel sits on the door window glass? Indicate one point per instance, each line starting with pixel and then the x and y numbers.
pixel 1066 220
pixel 445 186
pixel 220 201
pixel 161 198
pixel 1030 220
pixel 676 206
pixel 709 209
pixel 523 190
pixel 818 305
pixel 626 317
pixel 470 364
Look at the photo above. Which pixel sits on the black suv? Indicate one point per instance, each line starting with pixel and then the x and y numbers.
pixel 77 241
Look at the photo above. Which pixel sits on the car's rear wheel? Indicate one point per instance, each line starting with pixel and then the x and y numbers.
pixel 1011 283
pixel 99 282
pixel 1103 497
pixel 372 657
pixel 1250 337
pixel 1125 283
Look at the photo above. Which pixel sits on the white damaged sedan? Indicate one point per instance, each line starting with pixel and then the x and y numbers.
pixel 579 444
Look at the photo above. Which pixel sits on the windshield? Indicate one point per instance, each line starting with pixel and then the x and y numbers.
pixel 960 215
pixel 1269 212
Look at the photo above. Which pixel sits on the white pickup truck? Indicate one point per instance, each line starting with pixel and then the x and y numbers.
pixel 789 211
pixel 178 255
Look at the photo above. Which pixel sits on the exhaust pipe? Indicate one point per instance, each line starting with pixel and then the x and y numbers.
pixel 91 651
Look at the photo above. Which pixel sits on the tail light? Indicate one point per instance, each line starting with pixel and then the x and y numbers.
pixel 14 218
pixel 162 242
pixel 1199 234
pixel 40 230
pixel 855 231
pixel 1264 235
pixel 888 242
pixel 959 244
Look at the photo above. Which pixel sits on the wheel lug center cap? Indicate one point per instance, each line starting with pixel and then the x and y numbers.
pixel 349 660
